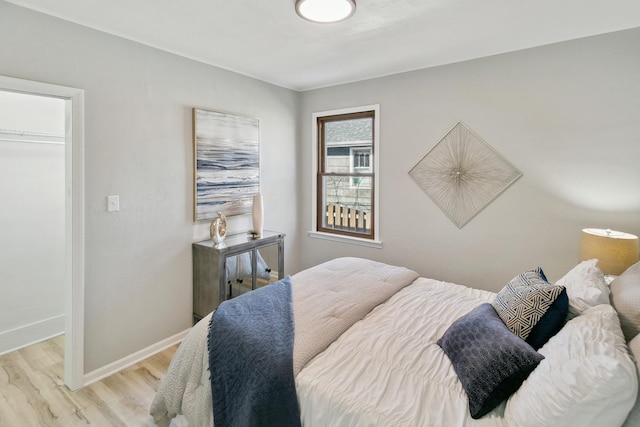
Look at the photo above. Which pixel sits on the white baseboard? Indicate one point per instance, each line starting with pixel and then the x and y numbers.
pixel 24 336
pixel 132 359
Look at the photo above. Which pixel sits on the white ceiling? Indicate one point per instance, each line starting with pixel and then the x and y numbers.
pixel 265 39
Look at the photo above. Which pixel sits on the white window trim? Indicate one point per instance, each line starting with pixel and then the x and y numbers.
pixel 372 243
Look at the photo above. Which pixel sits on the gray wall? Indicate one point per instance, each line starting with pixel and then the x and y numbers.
pixel 138 103
pixel 567 115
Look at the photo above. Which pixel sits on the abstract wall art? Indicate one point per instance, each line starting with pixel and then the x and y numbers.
pixel 227 163
pixel 463 174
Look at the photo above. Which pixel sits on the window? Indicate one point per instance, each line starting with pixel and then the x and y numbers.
pixel 346 173
pixel 360 158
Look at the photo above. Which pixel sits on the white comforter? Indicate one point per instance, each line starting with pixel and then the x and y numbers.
pixel 386 370
pixel 327 300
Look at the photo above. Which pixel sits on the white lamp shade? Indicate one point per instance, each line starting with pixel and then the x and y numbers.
pixel 325 11
pixel 615 251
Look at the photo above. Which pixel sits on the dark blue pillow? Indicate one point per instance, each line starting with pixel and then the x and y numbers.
pixel 490 360
pixel 551 323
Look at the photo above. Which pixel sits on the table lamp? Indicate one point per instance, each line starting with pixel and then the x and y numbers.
pixel 615 251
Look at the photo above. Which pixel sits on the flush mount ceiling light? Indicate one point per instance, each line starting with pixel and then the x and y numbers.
pixel 325 11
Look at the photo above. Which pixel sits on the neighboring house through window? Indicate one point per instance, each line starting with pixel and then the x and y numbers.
pixel 345 172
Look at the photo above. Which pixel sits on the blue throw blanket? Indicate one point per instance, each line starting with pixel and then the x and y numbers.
pixel 251 359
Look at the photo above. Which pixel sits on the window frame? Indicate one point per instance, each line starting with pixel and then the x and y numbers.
pixel 318 231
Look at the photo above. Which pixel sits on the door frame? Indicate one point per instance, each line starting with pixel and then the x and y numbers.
pixel 74 218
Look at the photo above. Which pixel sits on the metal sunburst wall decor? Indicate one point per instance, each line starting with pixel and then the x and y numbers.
pixel 462 174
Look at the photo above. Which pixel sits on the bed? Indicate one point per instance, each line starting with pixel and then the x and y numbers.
pixel 376 345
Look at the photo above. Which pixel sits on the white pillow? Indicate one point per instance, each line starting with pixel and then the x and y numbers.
pixel 625 298
pixel 585 286
pixel 633 420
pixel 587 378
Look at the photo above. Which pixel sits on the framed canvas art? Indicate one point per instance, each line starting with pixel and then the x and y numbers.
pixel 227 163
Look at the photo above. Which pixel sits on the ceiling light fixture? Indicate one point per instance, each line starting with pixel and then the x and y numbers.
pixel 325 11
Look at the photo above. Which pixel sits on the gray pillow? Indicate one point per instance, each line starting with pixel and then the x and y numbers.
pixel 625 298
pixel 490 360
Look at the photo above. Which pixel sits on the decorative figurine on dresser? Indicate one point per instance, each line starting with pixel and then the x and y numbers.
pixel 218 229
pixel 237 264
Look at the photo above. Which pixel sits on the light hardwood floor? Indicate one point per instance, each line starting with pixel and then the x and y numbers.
pixel 32 391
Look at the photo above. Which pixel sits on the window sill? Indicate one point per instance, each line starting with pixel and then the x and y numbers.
pixel 346 239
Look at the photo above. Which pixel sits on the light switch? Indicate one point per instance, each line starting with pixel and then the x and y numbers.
pixel 113 203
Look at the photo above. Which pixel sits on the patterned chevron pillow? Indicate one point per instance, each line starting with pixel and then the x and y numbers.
pixel 532 308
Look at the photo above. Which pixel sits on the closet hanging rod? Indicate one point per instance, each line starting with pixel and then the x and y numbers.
pixel 14 135
pixel 31 141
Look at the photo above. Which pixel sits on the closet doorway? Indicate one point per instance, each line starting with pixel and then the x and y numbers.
pixel 42 223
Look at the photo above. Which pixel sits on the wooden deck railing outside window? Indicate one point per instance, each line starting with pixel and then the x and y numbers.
pixel 347 218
